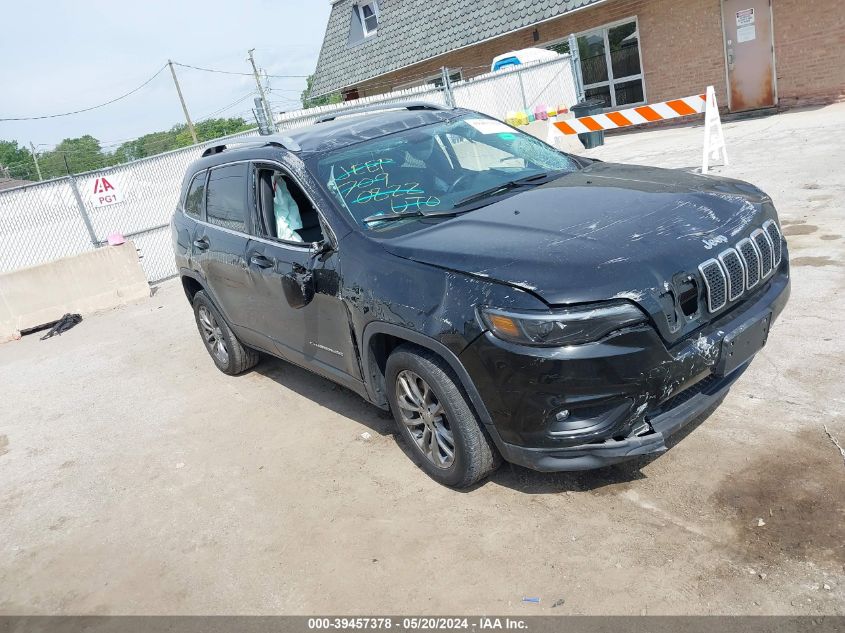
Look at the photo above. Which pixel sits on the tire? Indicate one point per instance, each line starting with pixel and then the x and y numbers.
pixel 234 358
pixel 450 422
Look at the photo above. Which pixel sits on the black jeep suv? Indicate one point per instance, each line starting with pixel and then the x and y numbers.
pixel 503 299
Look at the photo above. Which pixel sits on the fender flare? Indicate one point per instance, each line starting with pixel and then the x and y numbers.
pixel 192 274
pixel 431 344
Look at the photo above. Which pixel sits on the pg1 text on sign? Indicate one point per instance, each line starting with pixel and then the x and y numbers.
pixel 104 193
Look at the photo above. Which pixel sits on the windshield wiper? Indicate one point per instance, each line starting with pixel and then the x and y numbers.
pixel 406 214
pixel 500 188
pixel 378 217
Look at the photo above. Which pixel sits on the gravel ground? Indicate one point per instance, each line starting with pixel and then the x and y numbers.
pixel 137 479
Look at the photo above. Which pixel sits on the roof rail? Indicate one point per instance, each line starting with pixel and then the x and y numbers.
pixel 400 105
pixel 274 140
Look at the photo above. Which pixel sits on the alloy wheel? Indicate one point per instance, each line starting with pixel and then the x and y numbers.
pixel 213 335
pixel 425 418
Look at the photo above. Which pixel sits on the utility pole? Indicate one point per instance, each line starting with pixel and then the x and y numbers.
pixel 182 100
pixel 35 159
pixel 267 110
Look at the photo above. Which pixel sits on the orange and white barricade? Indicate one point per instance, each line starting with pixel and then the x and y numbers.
pixel 714 141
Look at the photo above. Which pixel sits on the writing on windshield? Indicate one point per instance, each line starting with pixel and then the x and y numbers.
pixel 433 168
pixel 370 182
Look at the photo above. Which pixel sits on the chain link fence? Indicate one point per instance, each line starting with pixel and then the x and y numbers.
pixel 44 221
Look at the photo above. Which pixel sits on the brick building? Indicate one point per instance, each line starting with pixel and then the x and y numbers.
pixel 757 53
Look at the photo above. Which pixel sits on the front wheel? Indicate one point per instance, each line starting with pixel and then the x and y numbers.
pixel 435 419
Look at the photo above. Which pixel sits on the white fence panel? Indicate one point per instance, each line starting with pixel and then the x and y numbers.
pixel 519 88
pixel 40 223
pixel 304 118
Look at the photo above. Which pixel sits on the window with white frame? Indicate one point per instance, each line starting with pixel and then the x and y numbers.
pixel 611 69
pixel 368 12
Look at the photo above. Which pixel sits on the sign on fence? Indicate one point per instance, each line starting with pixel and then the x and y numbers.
pixel 105 193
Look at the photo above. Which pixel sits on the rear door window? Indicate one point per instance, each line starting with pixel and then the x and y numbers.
pixel 226 201
pixel 196 195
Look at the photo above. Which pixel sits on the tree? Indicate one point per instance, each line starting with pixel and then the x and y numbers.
pixel 85 153
pixel 176 137
pixel 215 128
pixel 147 145
pixel 16 162
pixel 309 102
pixel 74 155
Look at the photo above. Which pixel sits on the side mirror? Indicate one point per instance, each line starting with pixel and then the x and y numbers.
pixel 298 287
pixel 321 249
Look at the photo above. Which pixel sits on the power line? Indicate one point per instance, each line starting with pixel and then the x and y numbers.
pixel 231 105
pixel 105 145
pixel 230 72
pixel 54 116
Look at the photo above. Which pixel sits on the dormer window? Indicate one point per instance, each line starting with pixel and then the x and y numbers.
pixel 368 12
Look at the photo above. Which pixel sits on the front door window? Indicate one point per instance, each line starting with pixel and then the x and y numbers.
pixel 610 65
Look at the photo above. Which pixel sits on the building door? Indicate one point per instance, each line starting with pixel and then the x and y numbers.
pixel 749 52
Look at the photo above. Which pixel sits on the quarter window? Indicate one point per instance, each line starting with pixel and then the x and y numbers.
pixel 610 65
pixel 369 16
pixel 196 193
pixel 226 202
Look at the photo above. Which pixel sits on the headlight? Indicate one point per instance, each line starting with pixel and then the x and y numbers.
pixel 568 326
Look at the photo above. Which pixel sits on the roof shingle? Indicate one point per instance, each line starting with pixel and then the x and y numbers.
pixel 410 31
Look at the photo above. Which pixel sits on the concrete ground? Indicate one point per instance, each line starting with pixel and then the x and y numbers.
pixel 136 478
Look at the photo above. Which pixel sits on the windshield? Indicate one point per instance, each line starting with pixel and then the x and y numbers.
pixel 439 169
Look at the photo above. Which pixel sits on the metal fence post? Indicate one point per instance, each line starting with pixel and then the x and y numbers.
pixel 522 89
pixel 447 87
pixel 575 62
pixel 83 212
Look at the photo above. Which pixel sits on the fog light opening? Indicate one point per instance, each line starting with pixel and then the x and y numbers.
pixel 688 297
pixel 560 416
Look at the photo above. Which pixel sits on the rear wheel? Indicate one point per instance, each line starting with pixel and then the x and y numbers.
pixel 435 420
pixel 227 352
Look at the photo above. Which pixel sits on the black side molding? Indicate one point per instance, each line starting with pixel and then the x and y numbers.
pixel 380 327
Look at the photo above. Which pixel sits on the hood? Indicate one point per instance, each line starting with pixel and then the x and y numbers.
pixel 606 231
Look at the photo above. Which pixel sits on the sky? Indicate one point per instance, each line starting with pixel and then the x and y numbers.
pixel 59 56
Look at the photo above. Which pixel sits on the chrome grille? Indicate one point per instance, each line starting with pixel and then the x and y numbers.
pixel 764 247
pixel 716 282
pixel 771 229
pixel 751 260
pixel 736 273
pixel 736 270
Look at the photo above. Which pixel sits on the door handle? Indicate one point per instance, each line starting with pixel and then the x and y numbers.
pixel 260 261
pixel 201 244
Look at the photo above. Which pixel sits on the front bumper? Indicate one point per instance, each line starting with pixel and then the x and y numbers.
pixel 612 451
pixel 639 391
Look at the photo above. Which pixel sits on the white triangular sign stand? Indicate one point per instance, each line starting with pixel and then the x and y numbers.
pixel 554 133
pixel 714 138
